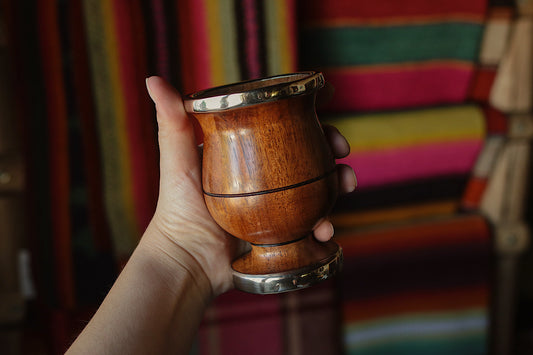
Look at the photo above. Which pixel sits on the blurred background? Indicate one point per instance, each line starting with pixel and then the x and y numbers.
pixel 435 98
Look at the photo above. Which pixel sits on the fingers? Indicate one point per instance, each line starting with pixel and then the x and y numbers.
pixel 323 230
pixel 347 178
pixel 337 142
pixel 177 142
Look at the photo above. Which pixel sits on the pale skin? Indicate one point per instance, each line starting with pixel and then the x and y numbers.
pixel 183 259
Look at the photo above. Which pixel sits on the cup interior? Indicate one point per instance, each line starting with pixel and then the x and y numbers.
pixel 251 85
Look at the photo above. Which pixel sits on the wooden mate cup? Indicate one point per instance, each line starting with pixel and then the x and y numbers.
pixel 268 177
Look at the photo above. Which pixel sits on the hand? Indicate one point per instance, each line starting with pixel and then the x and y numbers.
pixel 182 224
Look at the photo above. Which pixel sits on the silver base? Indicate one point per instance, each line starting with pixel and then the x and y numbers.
pixel 288 281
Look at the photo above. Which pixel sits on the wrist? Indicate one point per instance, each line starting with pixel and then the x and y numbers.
pixel 173 263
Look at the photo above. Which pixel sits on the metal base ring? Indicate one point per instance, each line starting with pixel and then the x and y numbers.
pixel 290 280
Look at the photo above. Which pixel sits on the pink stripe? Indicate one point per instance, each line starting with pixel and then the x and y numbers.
pixel 252 40
pixel 199 49
pixel 413 87
pixel 402 164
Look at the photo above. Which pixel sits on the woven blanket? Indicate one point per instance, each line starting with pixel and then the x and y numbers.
pixel 224 41
pixel 387 54
pixel 402 146
pixel 303 322
pixel 421 288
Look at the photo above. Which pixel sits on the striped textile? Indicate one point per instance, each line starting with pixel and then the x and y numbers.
pixel 303 322
pixel 56 109
pixel 402 146
pixel 417 288
pixel 24 44
pixel 93 258
pixel 117 56
pixel 388 55
pixel 224 41
pixel 407 211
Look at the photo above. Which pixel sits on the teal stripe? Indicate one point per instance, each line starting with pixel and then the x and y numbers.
pixel 349 46
pixel 473 344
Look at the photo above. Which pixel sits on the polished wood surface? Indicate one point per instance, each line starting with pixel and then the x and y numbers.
pixel 268 178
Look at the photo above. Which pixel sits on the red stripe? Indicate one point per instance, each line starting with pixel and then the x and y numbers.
pixel 482 84
pixel 474 193
pixel 320 10
pixel 496 120
pixel 251 26
pixel 405 87
pixel 58 140
pixel 419 301
pixel 91 151
pixel 194 45
pixel 132 75
pixel 451 231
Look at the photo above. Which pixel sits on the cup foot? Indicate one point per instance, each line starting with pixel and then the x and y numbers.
pixel 290 280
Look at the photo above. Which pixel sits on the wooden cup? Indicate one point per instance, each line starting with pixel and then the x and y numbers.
pixel 268 177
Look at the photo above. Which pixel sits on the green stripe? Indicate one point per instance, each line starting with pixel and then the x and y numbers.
pixel 347 46
pixel 473 344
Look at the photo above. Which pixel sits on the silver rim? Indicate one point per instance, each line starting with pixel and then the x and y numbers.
pixel 253 92
pixel 288 281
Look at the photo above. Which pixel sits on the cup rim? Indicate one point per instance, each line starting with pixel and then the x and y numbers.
pixel 252 92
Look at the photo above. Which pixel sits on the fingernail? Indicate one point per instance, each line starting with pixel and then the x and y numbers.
pixel 332 232
pixel 147 81
pixel 354 186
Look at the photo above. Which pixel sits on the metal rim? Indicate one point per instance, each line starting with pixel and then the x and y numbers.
pixel 252 92
pixel 288 281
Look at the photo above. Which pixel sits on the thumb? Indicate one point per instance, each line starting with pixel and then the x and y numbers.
pixel 177 142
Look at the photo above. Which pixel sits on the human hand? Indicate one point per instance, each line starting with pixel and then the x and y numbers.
pixel 182 228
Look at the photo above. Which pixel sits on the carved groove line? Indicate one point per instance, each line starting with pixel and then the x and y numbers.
pixel 278 189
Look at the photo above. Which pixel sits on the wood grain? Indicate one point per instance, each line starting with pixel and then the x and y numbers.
pixel 268 177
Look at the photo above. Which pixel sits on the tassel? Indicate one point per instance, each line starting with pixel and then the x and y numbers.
pixel 512 90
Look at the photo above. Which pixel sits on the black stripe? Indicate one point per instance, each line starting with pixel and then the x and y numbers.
pixel 261 35
pixel 241 38
pixel 278 189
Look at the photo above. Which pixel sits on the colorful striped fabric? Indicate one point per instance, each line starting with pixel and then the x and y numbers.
pixel 417 288
pixel 408 211
pixel 388 55
pixel 126 135
pixel 57 119
pixel 303 322
pixel 417 282
pixel 224 41
pixel 402 146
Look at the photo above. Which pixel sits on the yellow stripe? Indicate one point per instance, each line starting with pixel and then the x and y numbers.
pixel 285 37
pixel 228 32
pixel 410 128
pixel 214 35
pixel 111 46
pixel 272 38
pixel 278 37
